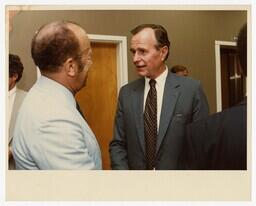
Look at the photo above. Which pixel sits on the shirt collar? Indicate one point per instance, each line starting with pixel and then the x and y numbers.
pixel 56 89
pixel 12 91
pixel 161 78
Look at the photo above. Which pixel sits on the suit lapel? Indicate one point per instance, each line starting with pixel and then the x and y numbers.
pixel 171 94
pixel 138 97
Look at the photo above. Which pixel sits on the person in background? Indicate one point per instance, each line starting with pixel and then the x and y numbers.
pixel 50 131
pixel 16 97
pixel 219 141
pixel 152 112
pixel 11 15
pixel 180 70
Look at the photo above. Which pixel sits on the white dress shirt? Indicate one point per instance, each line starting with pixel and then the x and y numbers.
pixel 11 94
pixel 160 83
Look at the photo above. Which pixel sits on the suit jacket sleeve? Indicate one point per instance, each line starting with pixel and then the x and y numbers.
pixel 117 148
pixel 200 105
pixel 195 153
pixel 60 145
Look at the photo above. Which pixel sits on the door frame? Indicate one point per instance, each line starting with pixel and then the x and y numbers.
pixel 218 45
pixel 121 42
pixel 122 66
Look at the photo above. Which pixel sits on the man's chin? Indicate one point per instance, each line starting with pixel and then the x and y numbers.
pixel 85 81
pixel 84 84
pixel 141 73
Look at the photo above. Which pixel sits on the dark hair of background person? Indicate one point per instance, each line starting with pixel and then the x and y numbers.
pixel 178 68
pixel 15 66
pixel 50 50
pixel 242 48
pixel 160 34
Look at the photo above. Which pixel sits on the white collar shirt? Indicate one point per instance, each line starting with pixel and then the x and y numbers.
pixel 160 83
pixel 11 95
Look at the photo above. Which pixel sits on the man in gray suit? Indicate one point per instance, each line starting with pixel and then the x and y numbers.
pixel 16 97
pixel 153 111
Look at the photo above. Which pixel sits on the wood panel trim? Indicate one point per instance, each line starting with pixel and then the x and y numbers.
pixel 218 44
pixel 122 66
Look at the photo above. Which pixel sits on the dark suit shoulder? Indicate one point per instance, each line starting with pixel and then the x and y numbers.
pixel 186 82
pixel 232 114
pixel 234 119
pixel 217 119
pixel 133 85
pixel 189 82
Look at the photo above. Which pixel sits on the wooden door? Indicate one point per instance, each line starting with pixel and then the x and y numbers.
pixel 99 98
pixel 232 80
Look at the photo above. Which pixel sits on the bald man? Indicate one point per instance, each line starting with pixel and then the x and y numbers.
pixel 50 132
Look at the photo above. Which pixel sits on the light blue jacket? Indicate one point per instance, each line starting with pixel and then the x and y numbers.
pixel 50 133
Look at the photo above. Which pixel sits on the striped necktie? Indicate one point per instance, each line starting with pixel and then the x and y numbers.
pixel 150 125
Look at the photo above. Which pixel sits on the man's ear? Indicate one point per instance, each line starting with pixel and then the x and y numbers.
pixel 164 52
pixel 14 77
pixel 70 67
pixel 12 81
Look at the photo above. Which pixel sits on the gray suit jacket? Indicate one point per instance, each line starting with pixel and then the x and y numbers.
pixel 183 102
pixel 20 95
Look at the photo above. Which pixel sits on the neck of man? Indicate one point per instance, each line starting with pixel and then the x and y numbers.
pixel 158 72
pixel 60 78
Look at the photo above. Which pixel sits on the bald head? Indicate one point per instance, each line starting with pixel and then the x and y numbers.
pixel 55 42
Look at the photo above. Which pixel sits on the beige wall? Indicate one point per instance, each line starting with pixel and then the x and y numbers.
pixel 192 35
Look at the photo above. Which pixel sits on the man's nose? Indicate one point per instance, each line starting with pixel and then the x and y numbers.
pixel 136 57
